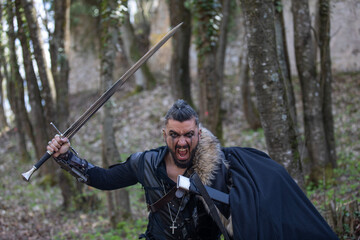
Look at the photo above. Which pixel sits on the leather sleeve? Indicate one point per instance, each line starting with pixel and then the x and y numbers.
pixel 116 176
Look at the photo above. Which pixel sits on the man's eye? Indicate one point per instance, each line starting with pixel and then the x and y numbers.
pixel 189 135
pixel 173 135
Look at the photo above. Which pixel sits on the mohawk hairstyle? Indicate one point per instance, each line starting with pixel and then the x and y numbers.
pixel 181 111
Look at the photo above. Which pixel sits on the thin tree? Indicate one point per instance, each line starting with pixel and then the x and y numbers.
pixel 249 108
pixel 220 57
pixel 3 120
pixel 223 36
pixel 284 62
pixel 180 80
pixel 326 78
pixel 275 117
pixel 110 154
pixel 39 54
pixel 283 56
pixel 250 111
pixel 143 77
pixel 142 24
pixel 305 54
pixel 37 111
pixel 59 51
pixel 16 89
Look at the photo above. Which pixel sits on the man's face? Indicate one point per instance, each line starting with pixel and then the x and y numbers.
pixel 182 139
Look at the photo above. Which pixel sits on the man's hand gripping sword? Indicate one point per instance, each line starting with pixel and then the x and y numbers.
pixel 72 130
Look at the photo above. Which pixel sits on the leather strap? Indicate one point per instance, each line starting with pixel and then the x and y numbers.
pixel 162 201
pixel 213 211
pixel 166 198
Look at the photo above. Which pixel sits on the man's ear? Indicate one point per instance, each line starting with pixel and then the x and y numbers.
pixel 164 134
pixel 200 132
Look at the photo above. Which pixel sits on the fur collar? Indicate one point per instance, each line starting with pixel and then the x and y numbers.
pixel 206 162
pixel 208 156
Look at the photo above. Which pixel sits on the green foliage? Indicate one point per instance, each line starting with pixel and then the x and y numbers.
pixel 207 18
pixel 344 183
pixel 278 6
pixel 334 195
pixel 129 229
pixel 79 8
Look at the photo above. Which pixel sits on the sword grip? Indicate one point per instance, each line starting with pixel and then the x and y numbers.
pixel 43 159
pixel 27 175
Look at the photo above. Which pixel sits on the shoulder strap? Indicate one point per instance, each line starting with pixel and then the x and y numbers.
pixel 212 209
pixel 162 201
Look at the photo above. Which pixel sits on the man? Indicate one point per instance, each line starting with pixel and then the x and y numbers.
pixel 265 203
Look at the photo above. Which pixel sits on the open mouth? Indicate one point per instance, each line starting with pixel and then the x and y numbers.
pixel 182 153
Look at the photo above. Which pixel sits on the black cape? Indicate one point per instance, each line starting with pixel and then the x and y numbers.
pixel 266 203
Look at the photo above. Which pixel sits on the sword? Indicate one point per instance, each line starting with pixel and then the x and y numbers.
pixel 72 130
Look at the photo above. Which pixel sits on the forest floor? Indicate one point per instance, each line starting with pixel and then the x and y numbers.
pixel 34 210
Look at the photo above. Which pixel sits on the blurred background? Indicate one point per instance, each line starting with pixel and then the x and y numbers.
pixel 281 76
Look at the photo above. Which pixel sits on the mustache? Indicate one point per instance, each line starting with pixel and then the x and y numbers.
pixel 186 147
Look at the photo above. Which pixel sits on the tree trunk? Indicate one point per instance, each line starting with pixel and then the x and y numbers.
pixel 110 154
pixel 37 111
pixel 44 72
pixel 16 90
pixel 221 50
pixel 250 112
pixel 283 57
pixel 59 49
pixel 3 121
pixel 34 32
pixel 311 91
pixel 209 92
pixel 180 80
pixel 4 75
pixel 277 123
pixel 143 77
pixel 326 78
pixel 206 13
pixel 142 25
pixel 220 58
pixel 284 63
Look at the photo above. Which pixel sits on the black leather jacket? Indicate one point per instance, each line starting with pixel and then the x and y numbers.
pixel 148 168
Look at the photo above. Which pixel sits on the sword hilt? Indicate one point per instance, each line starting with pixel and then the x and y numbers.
pixel 61 134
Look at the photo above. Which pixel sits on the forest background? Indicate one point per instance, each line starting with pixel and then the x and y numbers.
pixel 279 76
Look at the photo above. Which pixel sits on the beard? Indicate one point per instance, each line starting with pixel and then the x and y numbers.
pixel 183 164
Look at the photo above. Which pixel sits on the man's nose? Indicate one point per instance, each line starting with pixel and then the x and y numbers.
pixel 182 141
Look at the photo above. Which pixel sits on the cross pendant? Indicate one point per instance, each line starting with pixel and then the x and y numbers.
pixel 173 227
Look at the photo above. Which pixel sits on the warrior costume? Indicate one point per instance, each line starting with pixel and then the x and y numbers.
pixel 265 202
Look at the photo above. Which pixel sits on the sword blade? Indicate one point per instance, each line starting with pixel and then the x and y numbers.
pixel 74 128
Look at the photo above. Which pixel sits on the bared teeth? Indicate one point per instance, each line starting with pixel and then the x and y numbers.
pixel 182 151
